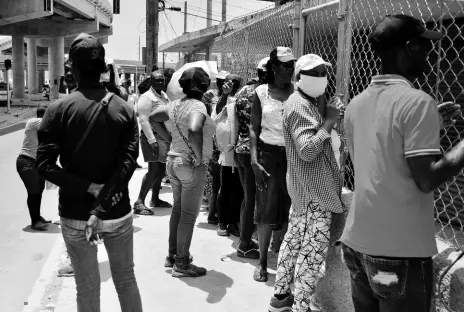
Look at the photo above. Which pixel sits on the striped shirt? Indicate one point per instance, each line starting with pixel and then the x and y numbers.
pixel 313 173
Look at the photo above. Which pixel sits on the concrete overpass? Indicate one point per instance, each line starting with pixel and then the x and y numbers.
pixel 42 31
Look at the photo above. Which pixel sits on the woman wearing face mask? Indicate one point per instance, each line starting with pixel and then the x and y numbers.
pixel 314 183
pixel 267 149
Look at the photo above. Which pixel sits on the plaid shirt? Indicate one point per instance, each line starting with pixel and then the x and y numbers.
pixel 313 173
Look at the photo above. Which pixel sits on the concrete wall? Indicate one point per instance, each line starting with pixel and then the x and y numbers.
pixel 334 290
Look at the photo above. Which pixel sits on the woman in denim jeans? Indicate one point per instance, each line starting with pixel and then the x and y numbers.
pixel 192 132
pixel 25 165
pixel 267 150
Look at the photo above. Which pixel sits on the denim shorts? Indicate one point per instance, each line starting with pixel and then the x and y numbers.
pixel 147 151
pixel 273 203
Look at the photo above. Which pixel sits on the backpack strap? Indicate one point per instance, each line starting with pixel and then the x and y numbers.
pixel 103 104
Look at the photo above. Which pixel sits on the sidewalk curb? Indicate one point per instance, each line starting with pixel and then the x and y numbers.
pixel 37 300
pixel 13 128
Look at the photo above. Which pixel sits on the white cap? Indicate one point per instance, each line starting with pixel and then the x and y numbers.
pixel 308 62
pixel 262 64
pixel 222 75
pixel 284 54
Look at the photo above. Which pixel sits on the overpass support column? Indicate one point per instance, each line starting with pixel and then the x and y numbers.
pixel 19 81
pixel 41 80
pixel 32 75
pixel 56 65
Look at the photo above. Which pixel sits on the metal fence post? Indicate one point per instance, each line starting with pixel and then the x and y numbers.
pixel 437 85
pixel 296 28
pixel 247 52
pixel 345 18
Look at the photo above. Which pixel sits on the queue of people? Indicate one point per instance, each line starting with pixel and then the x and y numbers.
pixel 270 156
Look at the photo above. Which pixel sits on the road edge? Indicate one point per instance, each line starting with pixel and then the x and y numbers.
pixel 13 128
pixel 46 277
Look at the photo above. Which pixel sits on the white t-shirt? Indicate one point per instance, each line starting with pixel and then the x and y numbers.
pixel 184 109
pixel 31 142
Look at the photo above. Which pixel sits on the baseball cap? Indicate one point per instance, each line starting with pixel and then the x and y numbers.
pixel 308 62
pixel 85 49
pixel 262 64
pixel 395 30
pixel 222 75
pixel 283 54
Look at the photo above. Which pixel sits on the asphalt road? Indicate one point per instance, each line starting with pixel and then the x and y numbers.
pixel 23 252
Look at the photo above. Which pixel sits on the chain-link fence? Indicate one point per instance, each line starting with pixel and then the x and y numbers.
pixel 239 50
pixel 340 35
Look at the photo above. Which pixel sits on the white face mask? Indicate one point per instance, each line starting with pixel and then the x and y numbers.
pixel 313 86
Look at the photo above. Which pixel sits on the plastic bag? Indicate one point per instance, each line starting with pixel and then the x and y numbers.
pixel 174 91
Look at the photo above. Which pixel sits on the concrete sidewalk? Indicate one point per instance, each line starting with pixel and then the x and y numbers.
pixel 228 285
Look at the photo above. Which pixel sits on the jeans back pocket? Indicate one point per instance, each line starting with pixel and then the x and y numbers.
pixel 387 277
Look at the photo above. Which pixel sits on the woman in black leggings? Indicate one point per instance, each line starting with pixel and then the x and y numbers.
pixel 25 164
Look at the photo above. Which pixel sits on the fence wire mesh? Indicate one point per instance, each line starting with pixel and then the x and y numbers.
pixel 240 49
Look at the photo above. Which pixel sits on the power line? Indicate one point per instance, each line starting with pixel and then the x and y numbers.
pixel 169 20
pixel 234 6
pixel 197 13
pixel 219 14
pixel 215 20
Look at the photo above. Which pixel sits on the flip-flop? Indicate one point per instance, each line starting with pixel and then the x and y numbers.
pixel 249 254
pixel 142 210
pixel 39 227
pixel 260 276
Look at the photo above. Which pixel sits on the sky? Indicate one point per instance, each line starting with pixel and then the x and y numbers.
pixel 130 24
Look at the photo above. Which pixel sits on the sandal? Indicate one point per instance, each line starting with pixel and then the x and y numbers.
pixel 160 204
pixel 249 254
pixel 39 226
pixel 142 210
pixel 252 252
pixel 260 275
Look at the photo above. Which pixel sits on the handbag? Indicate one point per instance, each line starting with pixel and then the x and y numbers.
pixel 195 162
pixel 103 104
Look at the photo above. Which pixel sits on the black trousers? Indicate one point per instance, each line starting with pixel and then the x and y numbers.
pixel 230 196
pixel 247 178
pixel 34 184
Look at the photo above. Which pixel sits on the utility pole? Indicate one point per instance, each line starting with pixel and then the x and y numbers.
pixel 209 23
pixel 152 33
pixel 164 62
pixel 140 49
pixel 209 14
pixel 185 18
pixel 224 11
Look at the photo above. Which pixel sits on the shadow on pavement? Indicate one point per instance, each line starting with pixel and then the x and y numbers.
pixel 136 229
pixel 161 212
pixel 214 283
pixel 105 272
pixel 206 226
pixel 52 229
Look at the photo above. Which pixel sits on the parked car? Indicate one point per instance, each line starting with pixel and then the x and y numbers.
pixel 3 93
